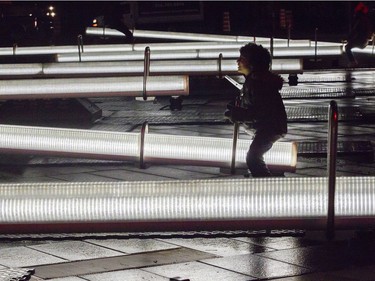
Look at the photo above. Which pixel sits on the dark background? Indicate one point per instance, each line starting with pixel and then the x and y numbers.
pixel 329 20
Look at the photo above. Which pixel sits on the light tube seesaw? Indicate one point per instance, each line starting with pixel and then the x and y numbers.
pixel 279 52
pixel 156 67
pixel 281 66
pixel 94 87
pixel 368 50
pixel 185 205
pixel 140 147
pixel 52 50
pixel 100 31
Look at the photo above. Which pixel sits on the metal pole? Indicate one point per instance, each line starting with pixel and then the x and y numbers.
pixel 146 71
pixel 80 46
pixel 234 147
pixel 316 44
pixel 331 167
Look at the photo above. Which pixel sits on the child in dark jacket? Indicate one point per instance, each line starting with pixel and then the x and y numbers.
pixel 263 105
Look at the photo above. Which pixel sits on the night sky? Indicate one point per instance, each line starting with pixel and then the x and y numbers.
pixel 332 19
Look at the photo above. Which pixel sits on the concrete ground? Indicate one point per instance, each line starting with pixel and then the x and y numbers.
pixel 295 255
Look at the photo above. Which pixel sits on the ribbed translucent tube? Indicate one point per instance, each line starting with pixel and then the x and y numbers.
pixel 180 54
pixel 295 201
pixel 127 146
pixel 212 151
pixel 52 50
pixel 93 87
pixel 164 67
pixel 69 142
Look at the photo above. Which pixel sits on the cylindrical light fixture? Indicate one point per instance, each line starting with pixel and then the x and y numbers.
pixel 278 65
pixel 93 87
pixel 169 35
pixel 157 67
pixel 157 148
pixel 280 52
pixel 52 50
pixel 218 204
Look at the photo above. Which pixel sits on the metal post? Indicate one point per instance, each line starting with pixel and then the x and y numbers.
pixel 14 48
pixel 331 167
pixel 271 47
pixel 219 65
pixel 80 46
pixel 234 147
pixel 144 131
pixel 316 44
pixel 146 71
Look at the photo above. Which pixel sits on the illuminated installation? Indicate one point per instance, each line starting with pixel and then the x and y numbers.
pixel 154 148
pixel 268 203
pixel 162 67
pixel 51 50
pixel 93 87
pixel 280 52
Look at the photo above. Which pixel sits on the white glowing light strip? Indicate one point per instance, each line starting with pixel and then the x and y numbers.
pixel 157 148
pixel 308 51
pixel 214 45
pixel 299 202
pixel 192 54
pixel 163 67
pixel 189 67
pixel 93 144
pixel 213 151
pixel 369 50
pixel 278 65
pixel 170 35
pixel 52 50
pixel 93 87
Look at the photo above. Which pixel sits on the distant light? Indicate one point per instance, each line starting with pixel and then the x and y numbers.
pixel 51 8
pixel 53 14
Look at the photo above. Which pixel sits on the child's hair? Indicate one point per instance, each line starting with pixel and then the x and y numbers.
pixel 257 57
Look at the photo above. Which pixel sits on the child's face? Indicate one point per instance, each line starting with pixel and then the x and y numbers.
pixel 243 66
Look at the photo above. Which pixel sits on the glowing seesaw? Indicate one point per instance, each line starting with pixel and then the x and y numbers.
pixel 134 86
pixel 140 147
pixel 217 67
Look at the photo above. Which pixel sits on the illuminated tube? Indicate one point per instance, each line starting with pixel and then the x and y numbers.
pixel 93 87
pixel 278 65
pixel 281 52
pixel 189 67
pixel 213 45
pixel 52 50
pixel 308 51
pixel 169 35
pixel 369 50
pixel 162 67
pixel 185 205
pixel 126 146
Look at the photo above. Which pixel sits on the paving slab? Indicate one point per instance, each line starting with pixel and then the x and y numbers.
pixel 75 250
pixel 258 266
pixel 134 261
pixel 196 271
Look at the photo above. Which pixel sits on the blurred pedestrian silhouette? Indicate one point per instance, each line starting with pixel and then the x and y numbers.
pixel 112 17
pixel 360 33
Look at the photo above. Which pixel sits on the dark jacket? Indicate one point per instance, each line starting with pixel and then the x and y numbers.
pixel 361 32
pixel 262 98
